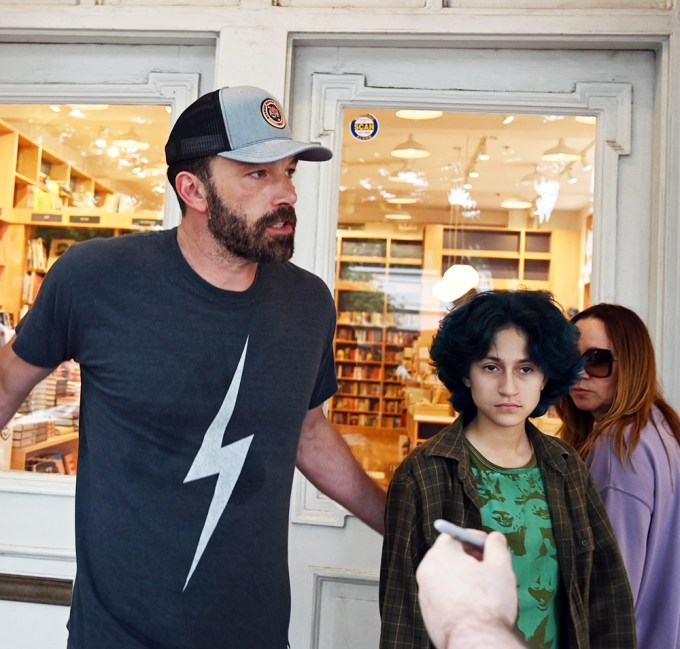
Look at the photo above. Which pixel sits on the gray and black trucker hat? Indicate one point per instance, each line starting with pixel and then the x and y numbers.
pixel 241 123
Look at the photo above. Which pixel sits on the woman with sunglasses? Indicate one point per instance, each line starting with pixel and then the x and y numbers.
pixel 629 436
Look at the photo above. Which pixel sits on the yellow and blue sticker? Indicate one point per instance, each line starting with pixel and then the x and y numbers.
pixel 364 127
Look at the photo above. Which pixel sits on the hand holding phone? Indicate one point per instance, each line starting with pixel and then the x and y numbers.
pixel 460 533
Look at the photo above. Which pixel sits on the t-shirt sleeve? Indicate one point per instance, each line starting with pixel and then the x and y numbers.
pixel 326 384
pixel 44 334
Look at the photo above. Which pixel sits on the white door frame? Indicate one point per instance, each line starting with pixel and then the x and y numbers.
pixel 611 103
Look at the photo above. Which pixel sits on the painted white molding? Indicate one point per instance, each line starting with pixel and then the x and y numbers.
pixel 611 103
pixel 37 552
pixel 311 507
pixel 22 482
pixel 340 598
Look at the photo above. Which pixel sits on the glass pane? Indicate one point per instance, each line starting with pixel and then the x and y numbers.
pixel 67 173
pixel 481 195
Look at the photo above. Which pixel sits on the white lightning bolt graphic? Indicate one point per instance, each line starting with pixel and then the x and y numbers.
pixel 214 459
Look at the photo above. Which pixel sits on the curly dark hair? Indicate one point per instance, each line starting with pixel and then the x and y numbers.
pixel 465 335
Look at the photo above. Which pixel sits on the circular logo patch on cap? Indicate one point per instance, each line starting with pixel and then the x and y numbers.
pixel 273 114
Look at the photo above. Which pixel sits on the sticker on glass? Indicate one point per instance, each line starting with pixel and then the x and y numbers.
pixel 364 127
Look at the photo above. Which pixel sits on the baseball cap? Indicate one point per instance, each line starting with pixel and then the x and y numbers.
pixel 242 123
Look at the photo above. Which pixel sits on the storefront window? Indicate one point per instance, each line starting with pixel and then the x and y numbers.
pixel 433 205
pixel 68 172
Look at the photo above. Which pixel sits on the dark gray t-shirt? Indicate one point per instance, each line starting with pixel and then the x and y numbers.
pixel 192 404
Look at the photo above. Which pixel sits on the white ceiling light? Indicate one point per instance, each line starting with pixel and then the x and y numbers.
pixel 407 175
pixel 402 200
pixel 398 216
pixel 419 114
pixel 456 282
pixel 586 119
pixel 515 203
pixel 561 153
pixel 509 119
pixel 410 150
pixel 130 141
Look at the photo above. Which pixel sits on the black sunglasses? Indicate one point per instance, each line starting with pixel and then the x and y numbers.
pixel 598 363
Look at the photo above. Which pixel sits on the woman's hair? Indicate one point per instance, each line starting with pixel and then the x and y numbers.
pixel 465 335
pixel 635 393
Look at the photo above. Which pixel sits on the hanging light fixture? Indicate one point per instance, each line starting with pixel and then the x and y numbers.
pixel 419 114
pixel 456 282
pixel 130 141
pixel 482 155
pixel 403 175
pixel 530 178
pixel 410 150
pixel 458 278
pixel 515 203
pixel 561 153
pixel 401 200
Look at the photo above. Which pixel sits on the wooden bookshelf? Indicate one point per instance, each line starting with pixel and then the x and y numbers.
pixel 66 442
pixel 39 188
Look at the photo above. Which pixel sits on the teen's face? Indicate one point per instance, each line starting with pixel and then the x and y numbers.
pixel 250 209
pixel 506 385
pixel 592 394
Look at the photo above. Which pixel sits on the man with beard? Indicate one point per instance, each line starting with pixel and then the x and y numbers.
pixel 206 357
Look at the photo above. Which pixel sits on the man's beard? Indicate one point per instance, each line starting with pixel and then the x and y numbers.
pixel 250 241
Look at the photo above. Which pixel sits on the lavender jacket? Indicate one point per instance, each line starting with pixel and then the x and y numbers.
pixel 642 498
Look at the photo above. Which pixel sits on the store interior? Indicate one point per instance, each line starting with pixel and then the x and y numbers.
pixel 431 205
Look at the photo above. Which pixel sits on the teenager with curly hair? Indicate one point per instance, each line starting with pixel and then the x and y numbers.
pixel 506 356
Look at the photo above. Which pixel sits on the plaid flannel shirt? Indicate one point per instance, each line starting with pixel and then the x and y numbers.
pixel 436 481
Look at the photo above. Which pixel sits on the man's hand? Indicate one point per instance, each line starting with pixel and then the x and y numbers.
pixel 462 598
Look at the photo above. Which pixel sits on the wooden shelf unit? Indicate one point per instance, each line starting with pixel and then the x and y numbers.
pixel 378 292
pixel 370 391
pixel 510 258
pixel 40 188
pixel 64 443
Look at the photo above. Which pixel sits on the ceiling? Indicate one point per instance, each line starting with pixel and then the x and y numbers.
pixel 83 134
pixel 454 141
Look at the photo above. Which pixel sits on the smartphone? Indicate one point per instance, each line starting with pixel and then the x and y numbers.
pixel 459 533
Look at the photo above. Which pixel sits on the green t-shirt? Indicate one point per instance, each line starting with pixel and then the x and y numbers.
pixel 515 504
